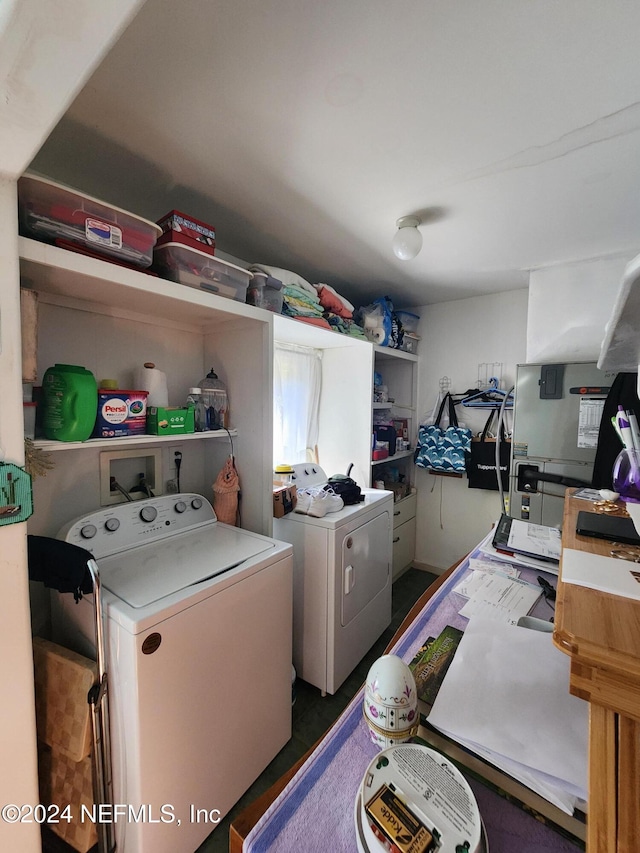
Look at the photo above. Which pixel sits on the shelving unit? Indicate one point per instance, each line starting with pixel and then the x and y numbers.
pixel 92 443
pixel 399 371
pixel 109 319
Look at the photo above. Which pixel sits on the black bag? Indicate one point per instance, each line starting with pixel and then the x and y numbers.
pixel 481 460
pixel 346 488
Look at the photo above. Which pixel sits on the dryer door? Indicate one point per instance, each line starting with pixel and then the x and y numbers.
pixel 366 560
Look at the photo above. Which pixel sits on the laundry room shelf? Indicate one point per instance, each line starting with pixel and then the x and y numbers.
pixel 402 454
pixel 92 443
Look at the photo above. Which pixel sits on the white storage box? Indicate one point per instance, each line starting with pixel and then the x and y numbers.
pixel 57 214
pixel 185 265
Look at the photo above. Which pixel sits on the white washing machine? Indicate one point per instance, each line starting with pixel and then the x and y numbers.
pixel 198 625
pixel 342 581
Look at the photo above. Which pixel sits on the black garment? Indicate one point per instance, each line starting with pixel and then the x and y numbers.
pixel 623 393
pixel 59 565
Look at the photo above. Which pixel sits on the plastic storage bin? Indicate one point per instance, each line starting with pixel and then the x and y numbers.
pixel 52 212
pixel 409 321
pixel 204 272
pixel 265 292
pixel 409 343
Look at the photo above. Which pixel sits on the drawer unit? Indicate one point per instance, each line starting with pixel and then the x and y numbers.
pixel 404 546
pixel 404 534
pixel 404 509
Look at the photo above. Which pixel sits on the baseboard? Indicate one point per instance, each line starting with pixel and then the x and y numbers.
pixel 425 567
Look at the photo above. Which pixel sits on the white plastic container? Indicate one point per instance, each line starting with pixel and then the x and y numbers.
pixel 197 269
pixel 53 212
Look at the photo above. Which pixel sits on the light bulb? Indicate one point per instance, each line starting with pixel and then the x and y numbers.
pixel 407 241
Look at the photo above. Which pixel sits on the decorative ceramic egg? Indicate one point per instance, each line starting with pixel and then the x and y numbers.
pixel 390 702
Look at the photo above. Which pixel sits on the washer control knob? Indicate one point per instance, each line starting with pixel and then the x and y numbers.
pixel 148 513
pixel 88 531
pixel 196 503
pixel 180 506
pixel 112 524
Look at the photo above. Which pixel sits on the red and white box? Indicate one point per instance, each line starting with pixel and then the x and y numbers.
pixel 178 227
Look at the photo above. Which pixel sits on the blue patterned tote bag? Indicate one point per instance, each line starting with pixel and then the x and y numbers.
pixel 443 449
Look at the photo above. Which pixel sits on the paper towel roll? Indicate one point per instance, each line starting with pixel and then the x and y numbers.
pixel 377 335
pixel 149 378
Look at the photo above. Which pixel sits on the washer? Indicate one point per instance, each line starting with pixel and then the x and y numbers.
pixel 198 623
pixel 342 581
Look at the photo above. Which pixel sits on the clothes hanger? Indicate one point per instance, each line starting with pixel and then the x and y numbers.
pixel 489 398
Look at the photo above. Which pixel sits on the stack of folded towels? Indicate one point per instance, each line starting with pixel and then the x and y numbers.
pixel 319 304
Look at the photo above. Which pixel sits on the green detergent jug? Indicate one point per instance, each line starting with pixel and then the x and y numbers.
pixel 70 402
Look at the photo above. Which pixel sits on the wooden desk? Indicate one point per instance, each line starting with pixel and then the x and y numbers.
pixel 601 633
pixel 247 819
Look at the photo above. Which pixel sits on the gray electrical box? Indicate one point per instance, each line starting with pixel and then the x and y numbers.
pixel 557 415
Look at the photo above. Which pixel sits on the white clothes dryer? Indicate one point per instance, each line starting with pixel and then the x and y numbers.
pixel 342 581
pixel 198 634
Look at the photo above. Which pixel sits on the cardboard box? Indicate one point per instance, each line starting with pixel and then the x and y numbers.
pixel 284 500
pixel 172 420
pixel 120 413
pixel 400 490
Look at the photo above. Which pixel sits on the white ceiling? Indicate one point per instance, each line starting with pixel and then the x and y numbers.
pixel 302 129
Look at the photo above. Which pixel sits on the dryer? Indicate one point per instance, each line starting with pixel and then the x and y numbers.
pixel 342 577
pixel 198 629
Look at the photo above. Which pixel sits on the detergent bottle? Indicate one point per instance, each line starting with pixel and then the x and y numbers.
pixel 70 402
pixel 215 400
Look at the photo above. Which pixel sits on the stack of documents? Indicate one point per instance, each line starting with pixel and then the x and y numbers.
pixel 506 698
pixel 487 549
pixel 496 594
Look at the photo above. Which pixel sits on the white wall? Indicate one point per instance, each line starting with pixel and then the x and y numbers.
pixel 17 708
pixel 456 338
pixel 569 305
pixel 47 50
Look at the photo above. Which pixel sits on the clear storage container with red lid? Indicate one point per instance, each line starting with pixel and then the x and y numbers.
pixel 54 213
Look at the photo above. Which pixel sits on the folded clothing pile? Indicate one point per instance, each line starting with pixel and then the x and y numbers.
pixel 299 298
pixel 319 304
pixel 338 312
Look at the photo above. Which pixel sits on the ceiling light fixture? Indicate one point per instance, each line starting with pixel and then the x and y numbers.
pixel 407 241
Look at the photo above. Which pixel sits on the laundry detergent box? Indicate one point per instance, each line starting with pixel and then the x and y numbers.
pixel 121 413
pixel 170 420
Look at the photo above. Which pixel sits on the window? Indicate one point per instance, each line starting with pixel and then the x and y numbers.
pixel 297 380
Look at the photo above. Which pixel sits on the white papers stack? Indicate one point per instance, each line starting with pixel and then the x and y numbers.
pixel 487 549
pixel 607 574
pixel 506 698
pixel 495 595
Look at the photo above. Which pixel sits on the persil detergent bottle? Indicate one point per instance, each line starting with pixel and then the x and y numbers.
pixel 70 402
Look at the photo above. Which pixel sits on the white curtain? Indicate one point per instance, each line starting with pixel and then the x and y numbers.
pixel 297 380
